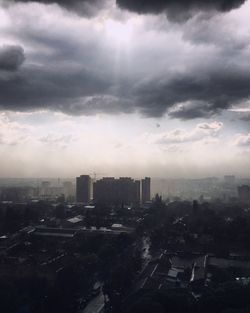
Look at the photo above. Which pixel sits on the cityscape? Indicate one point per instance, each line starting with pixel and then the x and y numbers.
pixel 88 189
pixel 111 244
pixel 124 156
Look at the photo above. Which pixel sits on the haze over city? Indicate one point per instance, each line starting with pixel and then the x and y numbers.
pixel 125 156
pixel 126 88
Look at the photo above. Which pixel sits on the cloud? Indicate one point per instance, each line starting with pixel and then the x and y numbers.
pixel 178 9
pixel 201 31
pixel 175 10
pixel 77 89
pixel 213 127
pixel 200 93
pixel 192 109
pixel 245 117
pixel 73 66
pixel 206 132
pixel 81 7
pixel 11 57
pixel 13 133
pixel 242 140
pixel 243 112
pixel 240 110
pixel 57 140
pixel 57 89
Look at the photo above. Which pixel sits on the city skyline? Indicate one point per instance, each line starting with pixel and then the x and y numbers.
pixel 124 89
pixel 124 156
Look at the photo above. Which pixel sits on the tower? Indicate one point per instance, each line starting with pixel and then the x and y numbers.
pixel 83 188
pixel 146 193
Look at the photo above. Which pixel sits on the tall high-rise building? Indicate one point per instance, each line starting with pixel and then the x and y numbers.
pixel 137 191
pixel 117 191
pixel 146 192
pixel 83 188
pixel 105 190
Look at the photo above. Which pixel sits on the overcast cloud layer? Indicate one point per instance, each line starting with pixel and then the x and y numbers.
pixel 82 7
pixel 106 82
pixel 179 10
pixel 116 62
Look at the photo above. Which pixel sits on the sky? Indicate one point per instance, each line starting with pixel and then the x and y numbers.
pixel 124 88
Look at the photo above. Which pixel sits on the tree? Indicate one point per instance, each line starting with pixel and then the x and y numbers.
pixel 146 305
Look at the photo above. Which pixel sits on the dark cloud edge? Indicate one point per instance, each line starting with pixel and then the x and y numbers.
pixel 178 10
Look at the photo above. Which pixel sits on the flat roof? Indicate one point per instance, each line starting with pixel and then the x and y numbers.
pixel 75 219
pixel 38 233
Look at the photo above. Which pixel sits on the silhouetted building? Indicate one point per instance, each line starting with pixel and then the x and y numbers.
pixel 137 191
pixel 45 188
pixel 146 193
pixel 195 207
pixel 104 190
pixel 117 191
pixel 229 180
pixel 244 193
pixel 17 194
pixel 83 188
pixel 68 188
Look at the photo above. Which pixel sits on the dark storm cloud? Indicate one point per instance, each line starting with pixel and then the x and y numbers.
pixel 217 31
pixel 192 109
pixel 72 89
pixel 178 9
pixel 71 69
pixel 245 117
pixel 11 57
pixel 53 88
pixel 81 91
pixel 194 95
pixel 83 7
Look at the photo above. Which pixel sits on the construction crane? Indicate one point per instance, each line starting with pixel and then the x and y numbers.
pixel 94 175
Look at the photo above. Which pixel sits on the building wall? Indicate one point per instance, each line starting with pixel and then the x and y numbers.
pixel 146 192
pixel 83 188
pixel 117 191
